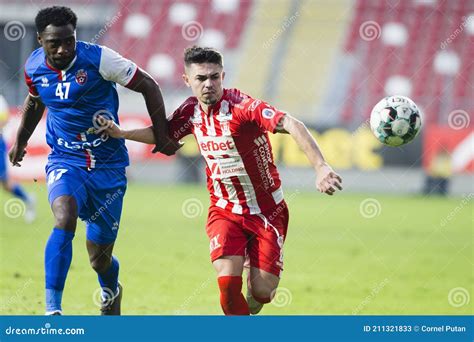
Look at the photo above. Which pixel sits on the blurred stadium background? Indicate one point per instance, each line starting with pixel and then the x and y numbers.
pixel 327 63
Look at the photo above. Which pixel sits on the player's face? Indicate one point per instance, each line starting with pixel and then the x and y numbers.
pixel 205 81
pixel 59 44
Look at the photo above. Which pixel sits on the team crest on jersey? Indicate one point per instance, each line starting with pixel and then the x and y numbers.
pixel 225 127
pixel 81 77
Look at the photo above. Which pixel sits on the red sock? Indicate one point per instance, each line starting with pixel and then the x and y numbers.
pixel 232 300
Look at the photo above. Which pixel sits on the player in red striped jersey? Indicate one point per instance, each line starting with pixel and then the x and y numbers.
pixel 248 216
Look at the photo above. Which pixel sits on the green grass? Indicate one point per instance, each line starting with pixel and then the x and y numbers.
pixel 404 261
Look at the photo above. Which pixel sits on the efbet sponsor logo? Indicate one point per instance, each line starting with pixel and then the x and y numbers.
pixel 217 146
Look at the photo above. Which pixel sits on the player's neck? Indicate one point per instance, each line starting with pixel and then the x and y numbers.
pixel 207 108
pixel 51 64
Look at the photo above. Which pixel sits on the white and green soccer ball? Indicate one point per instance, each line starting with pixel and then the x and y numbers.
pixel 395 120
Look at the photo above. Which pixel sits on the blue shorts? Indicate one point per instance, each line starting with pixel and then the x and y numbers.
pixel 98 193
pixel 3 159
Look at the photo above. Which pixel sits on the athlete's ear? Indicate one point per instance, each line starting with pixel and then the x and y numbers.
pixel 38 38
pixel 186 80
pixel 223 75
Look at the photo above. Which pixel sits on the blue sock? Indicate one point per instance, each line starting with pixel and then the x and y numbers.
pixel 53 300
pixel 57 259
pixel 109 279
pixel 18 191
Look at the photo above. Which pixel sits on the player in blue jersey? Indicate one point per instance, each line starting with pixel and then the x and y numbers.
pixel 85 173
pixel 9 186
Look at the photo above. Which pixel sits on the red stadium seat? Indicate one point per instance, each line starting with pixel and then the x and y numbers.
pixel 166 37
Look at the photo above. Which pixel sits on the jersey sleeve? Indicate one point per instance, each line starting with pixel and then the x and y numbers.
pixel 180 124
pixel 31 87
pixel 264 115
pixel 113 67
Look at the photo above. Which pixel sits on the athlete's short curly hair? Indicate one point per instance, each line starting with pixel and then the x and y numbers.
pixel 198 54
pixel 55 15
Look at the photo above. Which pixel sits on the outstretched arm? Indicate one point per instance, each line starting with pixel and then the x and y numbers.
pixel 327 180
pixel 143 83
pixel 144 135
pixel 33 110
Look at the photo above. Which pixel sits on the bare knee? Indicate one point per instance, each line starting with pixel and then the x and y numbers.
pixel 232 265
pixel 263 284
pixel 263 291
pixel 65 212
pixel 101 263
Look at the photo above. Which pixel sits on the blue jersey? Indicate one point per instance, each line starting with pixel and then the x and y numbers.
pixel 75 96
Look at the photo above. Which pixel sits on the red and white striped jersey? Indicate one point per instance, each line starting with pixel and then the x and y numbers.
pixel 233 139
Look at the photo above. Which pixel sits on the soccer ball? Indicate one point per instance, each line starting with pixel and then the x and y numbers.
pixel 395 120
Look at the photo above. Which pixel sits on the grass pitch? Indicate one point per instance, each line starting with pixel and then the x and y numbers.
pixel 346 254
